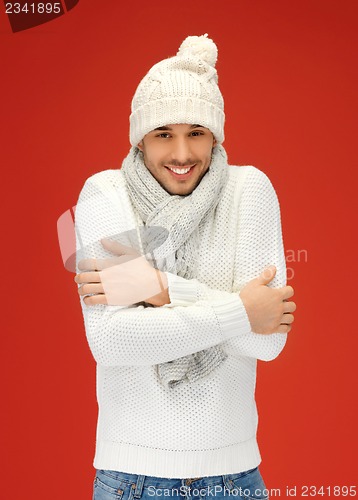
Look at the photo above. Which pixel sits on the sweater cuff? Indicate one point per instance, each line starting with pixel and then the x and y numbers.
pixel 182 292
pixel 232 316
pixel 228 307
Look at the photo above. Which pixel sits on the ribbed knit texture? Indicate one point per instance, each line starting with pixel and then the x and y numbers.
pixel 207 427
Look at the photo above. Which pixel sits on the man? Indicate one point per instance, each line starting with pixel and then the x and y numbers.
pixel 182 285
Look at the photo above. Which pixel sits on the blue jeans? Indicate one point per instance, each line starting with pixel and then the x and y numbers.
pixel 112 485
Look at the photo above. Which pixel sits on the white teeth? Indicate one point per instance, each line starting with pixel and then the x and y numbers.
pixel 180 171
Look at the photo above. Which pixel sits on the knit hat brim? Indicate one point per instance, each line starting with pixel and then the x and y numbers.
pixel 180 110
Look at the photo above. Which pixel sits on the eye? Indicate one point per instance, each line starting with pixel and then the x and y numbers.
pixel 196 133
pixel 164 135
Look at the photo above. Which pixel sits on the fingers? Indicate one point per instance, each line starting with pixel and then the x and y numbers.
pixel 92 300
pixel 100 264
pixel 93 293
pixel 89 277
pixel 88 264
pixel 90 288
pixel 283 329
pixel 287 319
pixel 289 307
pixel 287 292
pixel 91 285
pixel 267 275
pixel 286 322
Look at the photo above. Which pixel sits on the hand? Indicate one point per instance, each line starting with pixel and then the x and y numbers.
pixel 123 280
pixel 267 308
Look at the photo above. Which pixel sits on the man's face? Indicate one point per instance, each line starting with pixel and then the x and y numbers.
pixel 184 148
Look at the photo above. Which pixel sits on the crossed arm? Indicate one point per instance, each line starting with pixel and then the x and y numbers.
pixel 129 279
pixel 187 316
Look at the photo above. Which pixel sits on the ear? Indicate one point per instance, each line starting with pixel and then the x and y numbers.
pixel 214 142
pixel 140 145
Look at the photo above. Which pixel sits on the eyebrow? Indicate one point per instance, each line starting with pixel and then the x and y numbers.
pixel 168 128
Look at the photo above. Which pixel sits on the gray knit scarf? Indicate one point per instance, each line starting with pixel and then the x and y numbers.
pixel 172 244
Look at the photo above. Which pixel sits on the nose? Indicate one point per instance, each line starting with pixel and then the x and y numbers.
pixel 181 151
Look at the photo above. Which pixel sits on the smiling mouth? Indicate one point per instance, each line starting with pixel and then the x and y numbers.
pixel 180 170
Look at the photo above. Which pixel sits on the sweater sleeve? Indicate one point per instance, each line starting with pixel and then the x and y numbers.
pixel 138 335
pixel 259 244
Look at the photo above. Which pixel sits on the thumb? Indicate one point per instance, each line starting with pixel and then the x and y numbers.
pixel 267 275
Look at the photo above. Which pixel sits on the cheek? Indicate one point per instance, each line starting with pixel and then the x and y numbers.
pixel 153 161
pixel 154 155
pixel 205 149
pixel 206 155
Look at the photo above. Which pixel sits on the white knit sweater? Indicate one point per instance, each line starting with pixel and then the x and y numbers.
pixel 208 427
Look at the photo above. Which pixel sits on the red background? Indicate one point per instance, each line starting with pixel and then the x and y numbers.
pixel 288 73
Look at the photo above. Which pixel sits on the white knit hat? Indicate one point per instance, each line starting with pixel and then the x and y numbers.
pixel 180 89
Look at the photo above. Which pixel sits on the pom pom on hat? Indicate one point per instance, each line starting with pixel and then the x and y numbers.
pixel 199 46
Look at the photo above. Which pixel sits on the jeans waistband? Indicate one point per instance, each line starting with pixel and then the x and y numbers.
pixel 138 482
